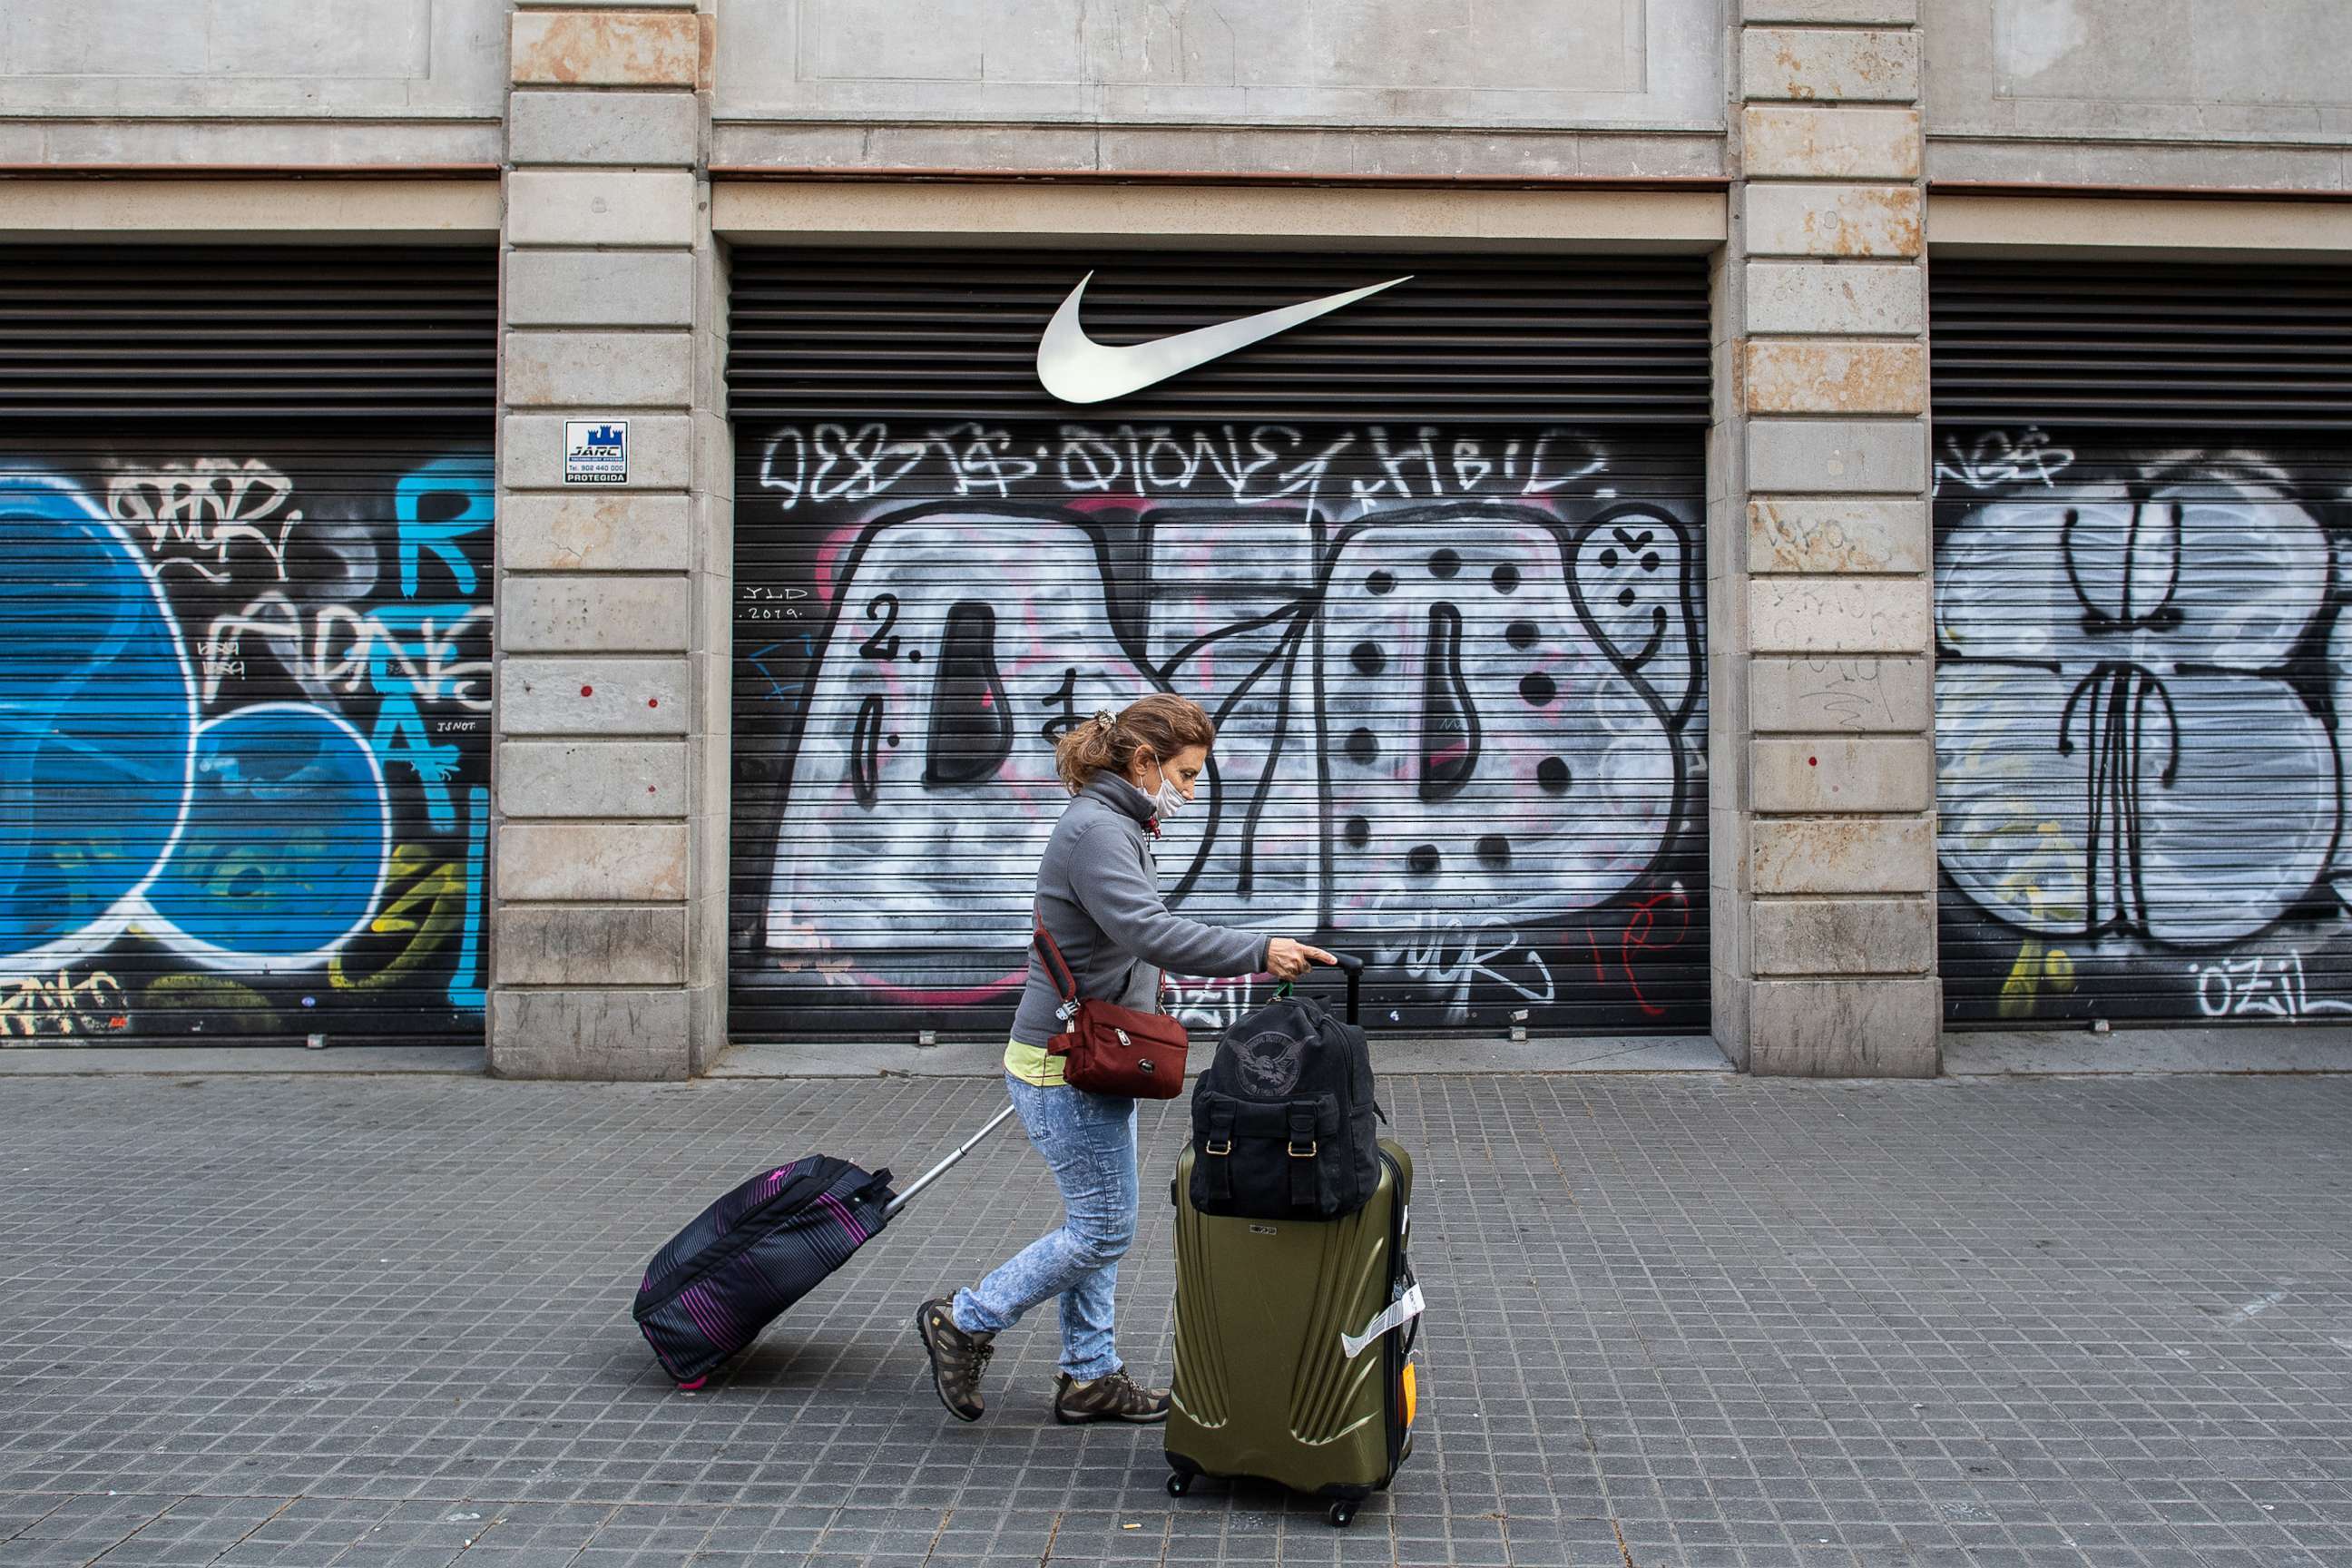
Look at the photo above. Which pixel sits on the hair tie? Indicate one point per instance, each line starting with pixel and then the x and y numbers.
pixel 1104 719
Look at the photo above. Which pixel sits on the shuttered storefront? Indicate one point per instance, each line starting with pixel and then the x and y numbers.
pixel 244 638
pixel 1433 562
pixel 2141 522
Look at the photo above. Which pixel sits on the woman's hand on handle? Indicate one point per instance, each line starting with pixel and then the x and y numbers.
pixel 1287 960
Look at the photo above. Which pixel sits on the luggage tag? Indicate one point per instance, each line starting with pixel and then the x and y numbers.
pixel 1408 1306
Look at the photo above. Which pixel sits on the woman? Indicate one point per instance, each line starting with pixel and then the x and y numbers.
pixel 1098 893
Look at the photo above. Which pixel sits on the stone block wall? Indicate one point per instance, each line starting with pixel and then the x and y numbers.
pixel 605 925
pixel 607 930
pixel 1823 751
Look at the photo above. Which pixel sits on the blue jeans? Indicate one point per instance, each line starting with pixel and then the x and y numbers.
pixel 1090 1141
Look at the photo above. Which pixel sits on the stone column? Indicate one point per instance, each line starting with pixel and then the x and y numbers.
pixel 1822 738
pixel 604 963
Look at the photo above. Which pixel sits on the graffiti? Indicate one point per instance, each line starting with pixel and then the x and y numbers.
pixel 1993 459
pixel 834 463
pixel 38 1007
pixel 240 701
pixel 1456 678
pixel 2040 970
pixel 334 651
pixel 2260 985
pixel 2137 741
pixel 192 515
pixel 433 904
pixel 1448 957
pixel 1210 1005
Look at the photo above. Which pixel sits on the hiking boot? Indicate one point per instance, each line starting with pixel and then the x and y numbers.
pixel 1112 1397
pixel 957 1358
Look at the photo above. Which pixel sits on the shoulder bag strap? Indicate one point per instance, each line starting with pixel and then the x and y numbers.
pixel 1058 968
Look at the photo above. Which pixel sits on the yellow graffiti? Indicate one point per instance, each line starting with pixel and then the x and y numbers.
pixel 33 1006
pixel 2041 969
pixel 231 1008
pixel 427 915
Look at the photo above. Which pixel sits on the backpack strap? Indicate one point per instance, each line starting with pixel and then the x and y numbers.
pixel 1216 1161
pixel 1058 968
pixel 1303 1151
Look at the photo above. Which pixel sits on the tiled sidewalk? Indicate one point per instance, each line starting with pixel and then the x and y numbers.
pixel 1676 1320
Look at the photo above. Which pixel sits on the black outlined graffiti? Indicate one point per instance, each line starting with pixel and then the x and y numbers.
pixel 1455 676
pixel 2140 771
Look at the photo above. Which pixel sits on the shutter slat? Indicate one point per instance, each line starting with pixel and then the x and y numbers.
pixel 96 332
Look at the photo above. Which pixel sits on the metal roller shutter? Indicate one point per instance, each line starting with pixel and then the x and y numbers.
pixel 215 331
pixel 1434 561
pixel 2142 482
pixel 244 642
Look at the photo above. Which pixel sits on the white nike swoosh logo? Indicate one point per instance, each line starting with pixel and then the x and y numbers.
pixel 1076 369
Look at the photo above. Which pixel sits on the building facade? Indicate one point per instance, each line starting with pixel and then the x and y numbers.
pixel 540 522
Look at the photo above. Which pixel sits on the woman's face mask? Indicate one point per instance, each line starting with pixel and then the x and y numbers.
pixel 1171 799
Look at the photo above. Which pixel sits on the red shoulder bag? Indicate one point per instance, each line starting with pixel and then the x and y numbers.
pixel 1111 1049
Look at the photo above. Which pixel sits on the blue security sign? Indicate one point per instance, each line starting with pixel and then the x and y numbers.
pixel 595 452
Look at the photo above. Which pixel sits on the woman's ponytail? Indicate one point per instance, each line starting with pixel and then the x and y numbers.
pixel 1085 750
pixel 1163 722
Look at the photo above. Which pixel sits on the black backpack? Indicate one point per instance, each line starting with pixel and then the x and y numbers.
pixel 1283 1122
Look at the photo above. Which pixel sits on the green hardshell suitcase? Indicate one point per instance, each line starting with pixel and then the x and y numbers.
pixel 1294 1343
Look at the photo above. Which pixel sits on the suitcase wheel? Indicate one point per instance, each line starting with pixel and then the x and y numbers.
pixel 698 1382
pixel 1342 1513
pixel 1179 1483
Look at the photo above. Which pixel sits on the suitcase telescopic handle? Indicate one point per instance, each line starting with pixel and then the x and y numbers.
pixel 1352 966
pixel 936 1172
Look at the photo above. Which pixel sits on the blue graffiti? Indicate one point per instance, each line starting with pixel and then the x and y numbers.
pixel 413 646
pixel 778 690
pixel 258 842
pixel 466 482
pixel 283 852
pixel 465 985
pixel 98 721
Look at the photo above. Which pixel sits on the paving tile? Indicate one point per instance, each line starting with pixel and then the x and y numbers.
pixel 381 1324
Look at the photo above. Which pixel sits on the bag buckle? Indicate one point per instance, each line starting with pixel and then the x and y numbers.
pixel 1224 1146
pixel 1066 1011
pixel 1305 1153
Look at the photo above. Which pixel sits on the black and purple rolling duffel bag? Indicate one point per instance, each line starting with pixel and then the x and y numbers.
pixel 750 1255
pixel 763 1247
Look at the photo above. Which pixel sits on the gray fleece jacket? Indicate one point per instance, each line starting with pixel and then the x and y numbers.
pixel 1099 888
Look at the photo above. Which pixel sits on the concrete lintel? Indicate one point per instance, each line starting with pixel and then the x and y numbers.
pixel 252 209
pixel 2264 158
pixel 1335 152
pixel 2155 228
pixel 867 213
